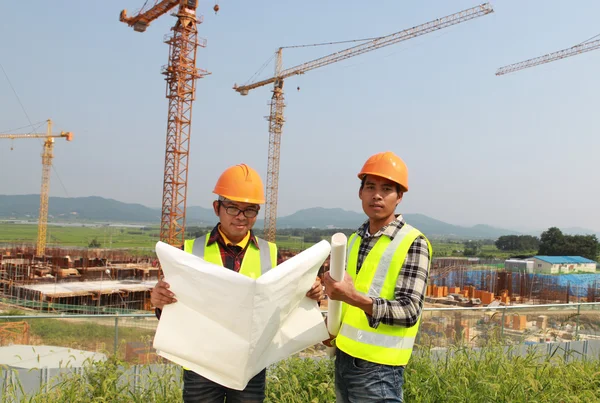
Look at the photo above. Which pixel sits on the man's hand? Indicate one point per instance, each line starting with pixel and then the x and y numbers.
pixel 330 341
pixel 316 291
pixel 346 292
pixel 161 296
pixel 339 290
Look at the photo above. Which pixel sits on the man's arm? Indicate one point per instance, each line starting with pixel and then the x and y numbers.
pixel 409 293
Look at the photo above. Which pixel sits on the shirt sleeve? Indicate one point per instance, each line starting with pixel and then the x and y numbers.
pixel 406 308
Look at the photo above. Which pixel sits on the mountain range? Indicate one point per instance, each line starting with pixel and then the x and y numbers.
pixel 99 209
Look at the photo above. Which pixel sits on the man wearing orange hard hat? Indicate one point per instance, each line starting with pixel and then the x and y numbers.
pixel 382 291
pixel 233 245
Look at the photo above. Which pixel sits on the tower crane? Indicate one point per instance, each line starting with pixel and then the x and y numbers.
pixel 583 47
pixel 47 156
pixel 180 74
pixel 276 117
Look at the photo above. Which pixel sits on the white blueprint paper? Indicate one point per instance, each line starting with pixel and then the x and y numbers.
pixel 227 327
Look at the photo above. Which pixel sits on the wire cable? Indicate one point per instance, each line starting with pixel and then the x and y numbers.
pixel 261 69
pixel 330 43
pixel 587 40
pixel 38 124
pixel 27 115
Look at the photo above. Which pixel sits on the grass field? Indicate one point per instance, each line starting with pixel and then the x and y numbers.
pixel 107 237
pixel 146 238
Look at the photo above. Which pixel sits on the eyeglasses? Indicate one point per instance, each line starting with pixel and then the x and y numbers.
pixel 234 211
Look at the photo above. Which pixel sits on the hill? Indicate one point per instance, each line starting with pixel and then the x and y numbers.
pixel 94 208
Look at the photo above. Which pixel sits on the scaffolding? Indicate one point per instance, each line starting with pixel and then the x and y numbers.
pixel 76 281
pixel 514 286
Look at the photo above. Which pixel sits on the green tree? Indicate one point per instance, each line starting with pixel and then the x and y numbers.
pixel 517 243
pixel 94 243
pixel 472 248
pixel 552 242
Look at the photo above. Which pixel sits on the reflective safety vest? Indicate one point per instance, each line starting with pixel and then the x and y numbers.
pixel 389 345
pixel 256 262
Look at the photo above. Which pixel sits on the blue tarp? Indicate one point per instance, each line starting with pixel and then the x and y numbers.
pixel 578 282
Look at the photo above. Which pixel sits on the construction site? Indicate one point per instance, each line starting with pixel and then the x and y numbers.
pixel 481 282
pixel 76 280
pixel 89 280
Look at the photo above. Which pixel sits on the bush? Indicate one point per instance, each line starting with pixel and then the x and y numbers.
pixel 490 374
pixel 301 380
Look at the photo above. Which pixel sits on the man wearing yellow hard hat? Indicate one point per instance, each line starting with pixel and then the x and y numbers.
pixel 382 291
pixel 233 245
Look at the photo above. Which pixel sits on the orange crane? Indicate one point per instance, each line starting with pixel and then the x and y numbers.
pixel 276 118
pixel 583 47
pixel 47 156
pixel 180 74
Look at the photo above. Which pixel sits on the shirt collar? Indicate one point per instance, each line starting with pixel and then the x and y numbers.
pixel 216 235
pixel 389 230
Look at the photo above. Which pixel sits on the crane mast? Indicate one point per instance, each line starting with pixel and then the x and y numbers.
pixel 276 116
pixel 47 156
pixel 180 75
pixel 276 121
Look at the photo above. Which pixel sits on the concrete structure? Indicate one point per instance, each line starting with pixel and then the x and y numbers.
pixel 562 264
pixel 69 296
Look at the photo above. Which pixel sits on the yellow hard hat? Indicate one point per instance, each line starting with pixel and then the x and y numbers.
pixel 240 183
pixel 387 165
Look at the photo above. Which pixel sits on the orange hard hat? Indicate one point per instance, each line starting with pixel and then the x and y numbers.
pixel 387 165
pixel 241 183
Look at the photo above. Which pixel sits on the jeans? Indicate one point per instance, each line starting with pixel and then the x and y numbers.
pixel 360 381
pixel 198 389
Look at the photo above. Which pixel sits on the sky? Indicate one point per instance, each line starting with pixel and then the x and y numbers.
pixel 517 151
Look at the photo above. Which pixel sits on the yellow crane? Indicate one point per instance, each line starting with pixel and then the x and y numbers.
pixel 276 118
pixel 47 155
pixel 583 47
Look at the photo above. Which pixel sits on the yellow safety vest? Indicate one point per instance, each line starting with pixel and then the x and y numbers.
pixel 389 345
pixel 256 262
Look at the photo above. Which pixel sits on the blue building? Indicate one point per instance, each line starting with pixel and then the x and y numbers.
pixel 562 264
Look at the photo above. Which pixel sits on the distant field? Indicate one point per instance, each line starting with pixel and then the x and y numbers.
pixel 292 242
pixel 441 249
pixel 107 237
pixel 137 238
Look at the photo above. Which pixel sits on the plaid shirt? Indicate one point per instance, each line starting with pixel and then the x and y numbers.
pixel 405 309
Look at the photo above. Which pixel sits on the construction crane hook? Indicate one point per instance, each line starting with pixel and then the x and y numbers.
pixel 216 8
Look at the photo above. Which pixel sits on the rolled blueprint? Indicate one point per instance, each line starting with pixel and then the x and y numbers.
pixel 337 265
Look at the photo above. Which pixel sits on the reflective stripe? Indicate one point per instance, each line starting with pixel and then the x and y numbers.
pixel 386 260
pixel 199 245
pixel 265 255
pixel 377 339
pixel 350 245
